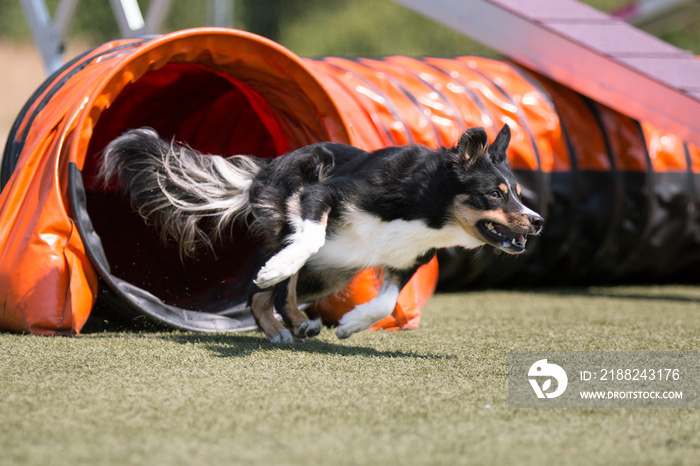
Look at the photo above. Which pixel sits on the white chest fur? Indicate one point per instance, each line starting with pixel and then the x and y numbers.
pixel 367 241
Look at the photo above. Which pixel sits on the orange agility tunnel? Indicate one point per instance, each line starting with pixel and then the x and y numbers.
pixel 621 198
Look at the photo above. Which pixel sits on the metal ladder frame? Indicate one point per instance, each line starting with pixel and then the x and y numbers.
pixel 49 34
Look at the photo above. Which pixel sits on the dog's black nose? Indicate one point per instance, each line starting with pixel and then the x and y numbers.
pixel 537 223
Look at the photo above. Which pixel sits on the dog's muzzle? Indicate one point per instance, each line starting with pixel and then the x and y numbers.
pixel 511 239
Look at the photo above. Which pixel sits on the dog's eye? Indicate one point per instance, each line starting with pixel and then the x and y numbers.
pixel 495 194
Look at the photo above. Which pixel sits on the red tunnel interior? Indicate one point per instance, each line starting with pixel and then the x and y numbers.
pixel 213 113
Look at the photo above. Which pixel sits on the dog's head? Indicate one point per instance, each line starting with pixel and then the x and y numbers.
pixel 487 202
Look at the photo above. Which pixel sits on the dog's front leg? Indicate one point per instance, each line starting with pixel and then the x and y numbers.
pixel 308 217
pixel 365 315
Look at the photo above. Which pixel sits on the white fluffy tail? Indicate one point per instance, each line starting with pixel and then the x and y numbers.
pixel 188 197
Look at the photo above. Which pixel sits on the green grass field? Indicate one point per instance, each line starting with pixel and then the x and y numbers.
pixel 436 395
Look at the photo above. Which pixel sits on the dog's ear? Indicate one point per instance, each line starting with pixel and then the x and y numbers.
pixel 498 150
pixel 472 144
pixel 323 162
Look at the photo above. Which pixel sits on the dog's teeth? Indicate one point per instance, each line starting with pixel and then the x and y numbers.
pixel 489 225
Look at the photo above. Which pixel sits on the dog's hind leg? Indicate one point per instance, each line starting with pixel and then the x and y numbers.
pixel 365 315
pixel 285 303
pixel 262 306
pixel 308 217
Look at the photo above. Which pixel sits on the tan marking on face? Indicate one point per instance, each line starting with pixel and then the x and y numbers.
pixel 468 216
pixel 503 187
pixel 495 216
pixel 465 215
pixel 518 189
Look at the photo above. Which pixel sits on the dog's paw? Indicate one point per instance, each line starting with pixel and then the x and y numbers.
pixel 350 324
pixel 308 237
pixel 346 330
pixel 268 277
pixel 365 315
pixel 277 269
pixel 308 329
pixel 283 336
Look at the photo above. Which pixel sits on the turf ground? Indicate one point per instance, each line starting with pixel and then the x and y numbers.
pixel 436 395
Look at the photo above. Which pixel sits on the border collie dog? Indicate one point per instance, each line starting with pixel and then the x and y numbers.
pixel 327 211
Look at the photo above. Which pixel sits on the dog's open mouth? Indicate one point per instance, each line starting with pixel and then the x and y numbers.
pixel 502 237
